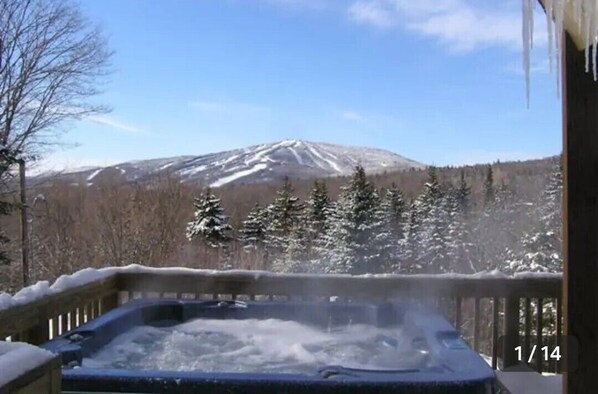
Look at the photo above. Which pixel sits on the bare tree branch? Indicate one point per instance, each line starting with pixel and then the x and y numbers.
pixel 51 60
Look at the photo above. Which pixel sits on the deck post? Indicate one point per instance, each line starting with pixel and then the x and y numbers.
pixel 109 302
pixel 511 332
pixel 580 217
pixel 38 334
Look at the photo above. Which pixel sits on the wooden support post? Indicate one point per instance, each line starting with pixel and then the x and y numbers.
pixel 476 325
pixel 37 334
pixel 24 225
pixel 495 328
pixel 109 302
pixel 511 332
pixel 458 317
pixel 580 217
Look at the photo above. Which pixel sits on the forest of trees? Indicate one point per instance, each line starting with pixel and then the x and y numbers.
pixel 470 219
pixel 369 230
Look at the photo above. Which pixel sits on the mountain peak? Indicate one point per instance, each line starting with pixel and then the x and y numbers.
pixel 297 159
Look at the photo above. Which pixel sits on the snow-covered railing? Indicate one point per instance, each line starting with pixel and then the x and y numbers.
pixel 26 369
pixel 483 306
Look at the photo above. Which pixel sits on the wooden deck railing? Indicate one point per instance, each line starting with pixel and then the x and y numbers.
pixel 523 311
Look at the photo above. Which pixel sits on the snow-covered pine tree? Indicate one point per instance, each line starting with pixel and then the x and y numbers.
pixel 462 195
pixel 392 212
pixel 498 230
pixel 393 204
pixel 432 191
pixel 318 209
pixel 461 250
pixel 209 223
pixel 411 243
pixel 296 255
pixel 432 229
pixel 283 214
pixel 356 241
pixel 541 247
pixel 435 256
pixel 253 230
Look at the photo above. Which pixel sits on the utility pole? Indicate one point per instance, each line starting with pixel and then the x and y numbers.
pixel 24 224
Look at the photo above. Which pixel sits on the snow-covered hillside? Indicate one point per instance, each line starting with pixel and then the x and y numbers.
pixel 255 164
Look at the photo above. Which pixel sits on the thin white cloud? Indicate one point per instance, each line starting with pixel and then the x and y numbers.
pixel 114 123
pixel 352 116
pixel 459 25
pixel 371 13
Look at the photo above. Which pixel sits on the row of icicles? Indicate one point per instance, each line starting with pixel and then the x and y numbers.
pixel 584 15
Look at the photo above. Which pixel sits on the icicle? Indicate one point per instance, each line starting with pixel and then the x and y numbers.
pixel 531 23
pixel 527 42
pixel 549 23
pixel 584 13
pixel 587 35
pixel 559 17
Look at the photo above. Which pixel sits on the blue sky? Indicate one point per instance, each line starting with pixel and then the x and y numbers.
pixel 439 81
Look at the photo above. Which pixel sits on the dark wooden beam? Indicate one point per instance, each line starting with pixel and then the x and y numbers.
pixel 580 217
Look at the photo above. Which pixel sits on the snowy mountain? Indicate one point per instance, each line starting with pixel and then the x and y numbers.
pixel 254 164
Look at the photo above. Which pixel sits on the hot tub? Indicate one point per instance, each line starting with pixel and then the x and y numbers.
pixel 176 346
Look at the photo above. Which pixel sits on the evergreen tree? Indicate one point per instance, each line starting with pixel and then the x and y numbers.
pixel 496 232
pixel 461 251
pixel 432 190
pixel 209 223
pixel 435 256
pixel 411 244
pixel 282 215
pixel 253 231
pixel 463 195
pixel 392 210
pixel 489 187
pixel 393 205
pixel 541 246
pixel 427 249
pixel 296 256
pixel 357 239
pixel 318 208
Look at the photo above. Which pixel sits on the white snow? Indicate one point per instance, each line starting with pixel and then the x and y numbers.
pixel 16 358
pixel 193 170
pixel 43 288
pixel 255 345
pixel 94 174
pixel 297 157
pixel 260 152
pixel 165 166
pixel 330 162
pixel 87 275
pixel 239 174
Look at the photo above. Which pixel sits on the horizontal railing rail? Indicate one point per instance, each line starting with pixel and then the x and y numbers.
pixel 524 311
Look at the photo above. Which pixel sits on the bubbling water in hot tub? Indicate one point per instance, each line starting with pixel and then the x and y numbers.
pixel 257 345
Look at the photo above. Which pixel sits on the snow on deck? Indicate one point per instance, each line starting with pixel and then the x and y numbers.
pixel 17 358
pixel 88 275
